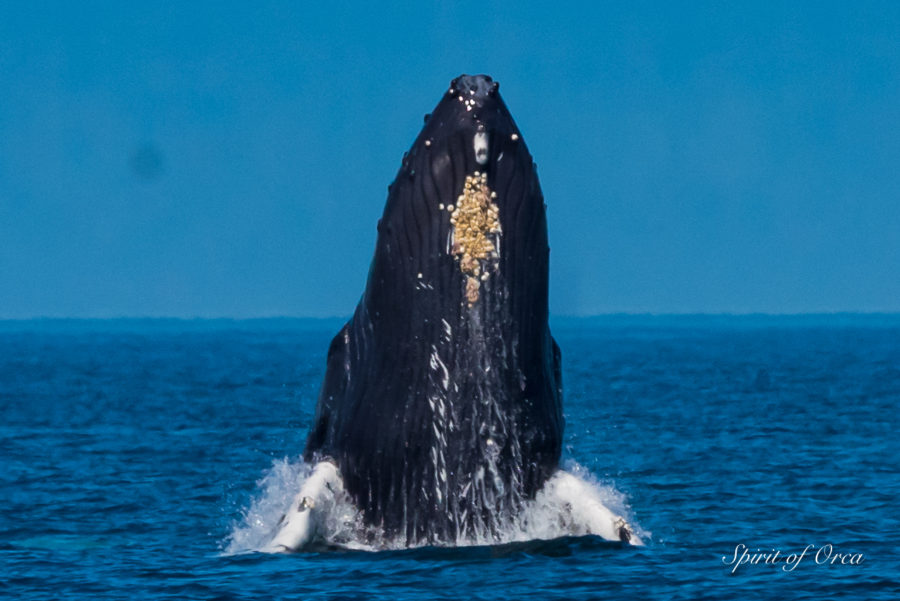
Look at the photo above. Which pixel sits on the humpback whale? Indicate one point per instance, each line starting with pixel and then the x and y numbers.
pixel 440 413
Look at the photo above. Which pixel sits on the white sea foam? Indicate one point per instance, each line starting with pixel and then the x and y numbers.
pixel 571 503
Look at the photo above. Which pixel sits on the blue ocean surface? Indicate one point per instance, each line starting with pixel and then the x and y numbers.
pixel 133 451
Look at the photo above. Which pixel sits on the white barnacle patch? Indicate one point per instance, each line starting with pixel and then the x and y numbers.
pixel 475 223
pixel 480 142
pixel 468 102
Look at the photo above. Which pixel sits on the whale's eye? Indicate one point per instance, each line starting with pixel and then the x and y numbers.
pixel 481 147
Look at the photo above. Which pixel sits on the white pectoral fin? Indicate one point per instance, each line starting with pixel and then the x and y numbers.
pixel 300 523
pixel 587 509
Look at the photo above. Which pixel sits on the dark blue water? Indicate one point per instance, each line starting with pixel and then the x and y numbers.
pixel 131 449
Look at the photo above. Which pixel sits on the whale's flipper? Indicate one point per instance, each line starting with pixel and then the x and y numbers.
pixel 301 524
pixel 585 509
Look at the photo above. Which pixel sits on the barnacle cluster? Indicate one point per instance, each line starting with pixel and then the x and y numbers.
pixel 475 220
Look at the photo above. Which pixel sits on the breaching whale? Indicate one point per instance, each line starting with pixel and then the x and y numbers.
pixel 440 413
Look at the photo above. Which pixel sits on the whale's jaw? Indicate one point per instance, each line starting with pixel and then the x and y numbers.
pixel 441 403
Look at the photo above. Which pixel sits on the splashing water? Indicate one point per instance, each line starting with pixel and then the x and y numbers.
pixel 571 503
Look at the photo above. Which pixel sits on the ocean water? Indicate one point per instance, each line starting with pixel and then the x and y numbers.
pixel 144 459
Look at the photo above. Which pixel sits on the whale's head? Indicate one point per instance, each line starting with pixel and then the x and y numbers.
pixel 465 213
pixel 442 399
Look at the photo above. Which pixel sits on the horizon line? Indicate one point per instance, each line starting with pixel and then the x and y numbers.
pixel 611 314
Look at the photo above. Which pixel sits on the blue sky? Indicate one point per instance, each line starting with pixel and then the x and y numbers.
pixel 233 161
